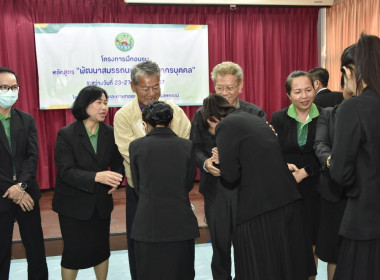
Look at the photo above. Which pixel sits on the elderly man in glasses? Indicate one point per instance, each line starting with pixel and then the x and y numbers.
pixel 220 202
pixel 18 185
pixel 145 82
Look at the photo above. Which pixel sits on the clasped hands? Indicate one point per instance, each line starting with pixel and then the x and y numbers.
pixel 20 197
pixel 209 164
pixel 110 178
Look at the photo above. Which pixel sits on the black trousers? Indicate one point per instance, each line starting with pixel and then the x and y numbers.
pixel 221 219
pixel 132 200
pixel 31 235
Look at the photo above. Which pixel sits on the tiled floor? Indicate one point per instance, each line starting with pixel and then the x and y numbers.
pixel 119 268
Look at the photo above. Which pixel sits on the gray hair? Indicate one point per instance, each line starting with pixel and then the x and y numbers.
pixel 148 68
pixel 227 67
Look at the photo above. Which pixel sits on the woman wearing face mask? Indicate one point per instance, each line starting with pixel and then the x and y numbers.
pixel 355 164
pixel 333 197
pixel 84 152
pixel 295 126
pixel 163 170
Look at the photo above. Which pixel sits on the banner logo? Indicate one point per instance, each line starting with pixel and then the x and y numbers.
pixel 124 42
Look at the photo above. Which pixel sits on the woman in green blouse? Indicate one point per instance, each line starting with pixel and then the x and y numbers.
pixel 296 126
pixel 89 170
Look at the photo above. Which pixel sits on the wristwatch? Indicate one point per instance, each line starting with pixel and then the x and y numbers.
pixel 23 185
pixel 328 162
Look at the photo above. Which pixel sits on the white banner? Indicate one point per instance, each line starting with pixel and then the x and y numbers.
pixel 72 56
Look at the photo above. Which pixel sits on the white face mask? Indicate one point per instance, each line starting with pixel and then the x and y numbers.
pixel 8 98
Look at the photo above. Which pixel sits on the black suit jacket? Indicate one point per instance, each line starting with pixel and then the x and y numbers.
pixel 203 143
pixel 324 139
pixel 163 170
pixel 76 194
pixel 286 128
pixel 327 98
pixel 24 154
pixel 355 163
pixel 251 159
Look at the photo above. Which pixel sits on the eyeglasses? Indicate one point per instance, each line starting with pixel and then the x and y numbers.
pixel 155 89
pixel 228 89
pixel 5 88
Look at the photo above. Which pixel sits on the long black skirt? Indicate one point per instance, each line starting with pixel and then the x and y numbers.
pixel 328 239
pixel 85 243
pixel 274 245
pixel 165 260
pixel 358 260
pixel 311 209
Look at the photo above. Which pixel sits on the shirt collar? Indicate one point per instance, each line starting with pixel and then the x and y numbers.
pixel 92 134
pixel 312 114
pixel 3 117
pixel 320 90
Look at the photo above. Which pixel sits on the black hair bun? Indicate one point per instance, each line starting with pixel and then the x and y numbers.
pixel 160 112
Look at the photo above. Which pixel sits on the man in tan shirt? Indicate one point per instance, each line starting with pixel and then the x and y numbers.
pixel 145 82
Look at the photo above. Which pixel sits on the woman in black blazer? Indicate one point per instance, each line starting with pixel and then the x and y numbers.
pixel 333 196
pixel 355 163
pixel 295 126
pixel 163 170
pixel 270 241
pixel 84 152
